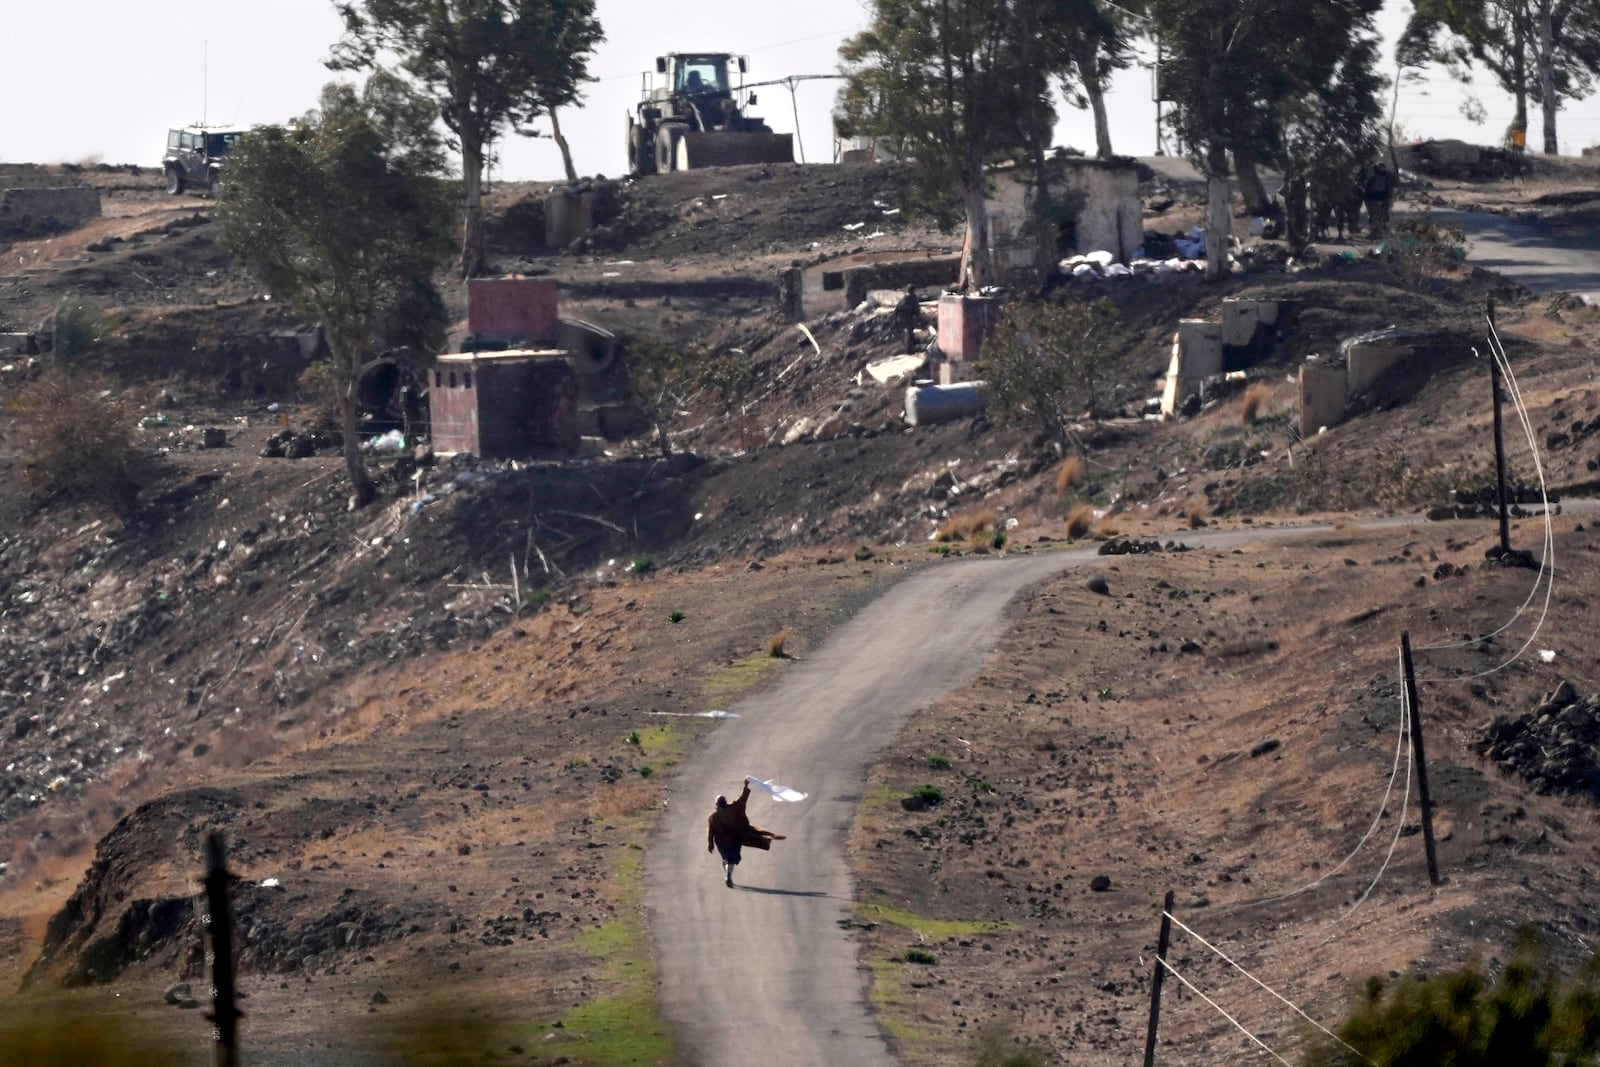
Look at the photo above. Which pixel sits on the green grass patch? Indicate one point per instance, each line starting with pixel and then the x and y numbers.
pixel 932 929
pixel 656 738
pixel 939 763
pixel 888 1004
pixel 740 676
pixel 623 1028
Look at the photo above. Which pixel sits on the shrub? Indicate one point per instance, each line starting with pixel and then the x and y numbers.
pixel 962 526
pixel 995 1047
pixel 676 616
pixel 1255 398
pixel 643 566
pixel 775 645
pixel 1528 1013
pixel 920 955
pixel 997 540
pixel 929 794
pixel 77 444
pixel 1079 521
pixel 646 771
pixel 1196 516
pixel 76 329
pixel 939 763
pixel 1420 250
pixel 1069 474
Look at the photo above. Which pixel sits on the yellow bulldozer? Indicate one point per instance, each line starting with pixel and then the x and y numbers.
pixel 697 116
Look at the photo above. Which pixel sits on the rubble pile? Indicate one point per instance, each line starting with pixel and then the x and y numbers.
pixel 1555 747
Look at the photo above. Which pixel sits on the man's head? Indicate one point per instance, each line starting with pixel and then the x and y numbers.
pixel 722 802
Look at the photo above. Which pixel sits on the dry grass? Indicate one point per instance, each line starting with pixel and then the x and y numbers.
pixel 963 526
pixel 1196 516
pixel 776 643
pixel 1069 474
pixel 1255 400
pixel 1080 520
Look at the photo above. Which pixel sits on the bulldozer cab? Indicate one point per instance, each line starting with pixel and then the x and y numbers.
pixel 704 73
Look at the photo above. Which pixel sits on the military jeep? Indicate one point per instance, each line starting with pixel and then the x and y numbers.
pixel 195 154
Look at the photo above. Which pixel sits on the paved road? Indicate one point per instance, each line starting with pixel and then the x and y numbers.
pixel 1529 252
pixel 764 973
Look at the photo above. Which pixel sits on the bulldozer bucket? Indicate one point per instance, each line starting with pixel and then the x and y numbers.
pixel 696 150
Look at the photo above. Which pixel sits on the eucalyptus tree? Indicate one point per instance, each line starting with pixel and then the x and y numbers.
pixel 345 216
pixel 958 85
pixel 1540 50
pixel 488 65
pixel 1230 68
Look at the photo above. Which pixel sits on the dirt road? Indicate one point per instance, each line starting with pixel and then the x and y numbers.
pixel 765 972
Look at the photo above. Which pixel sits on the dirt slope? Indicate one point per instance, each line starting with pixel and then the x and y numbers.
pixel 452 795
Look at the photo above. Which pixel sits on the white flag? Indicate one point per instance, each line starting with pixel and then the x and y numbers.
pixel 776 791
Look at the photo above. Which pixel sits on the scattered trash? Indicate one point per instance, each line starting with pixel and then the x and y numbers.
pixel 270 883
pixel 422 502
pixel 1547 654
pixel 854 226
pixel 150 421
pixel 393 441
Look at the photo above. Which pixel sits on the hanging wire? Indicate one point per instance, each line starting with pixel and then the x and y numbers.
pixel 1394 772
pixel 1285 1000
pixel 1406 713
pixel 1219 1010
pixel 1547 561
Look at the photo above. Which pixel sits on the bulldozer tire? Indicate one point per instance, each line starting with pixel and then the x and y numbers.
pixel 641 154
pixel 667 138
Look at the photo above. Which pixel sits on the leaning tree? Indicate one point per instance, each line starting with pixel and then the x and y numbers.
pixel 345 215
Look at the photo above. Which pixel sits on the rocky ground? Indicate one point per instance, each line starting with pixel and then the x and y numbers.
pixel 445 772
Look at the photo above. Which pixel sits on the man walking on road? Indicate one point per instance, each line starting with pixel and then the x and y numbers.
pixel 728 830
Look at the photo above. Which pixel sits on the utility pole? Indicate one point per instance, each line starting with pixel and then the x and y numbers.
pixel 219 922
pixel 1156 979
pixel 1499 440
pixel 1415 726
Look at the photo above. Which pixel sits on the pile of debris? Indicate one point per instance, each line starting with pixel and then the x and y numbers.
pixel 1483 502
pixel 1556 747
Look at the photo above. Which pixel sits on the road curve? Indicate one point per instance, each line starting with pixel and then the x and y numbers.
pixel 764 972
pixel 1528 252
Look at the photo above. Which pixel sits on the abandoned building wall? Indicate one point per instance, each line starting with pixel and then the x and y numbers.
pixel 815 289
pixel 47 209
pixel 1323 388
pixel 1109 215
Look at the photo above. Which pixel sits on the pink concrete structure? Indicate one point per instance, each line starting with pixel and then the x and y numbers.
pixel 964 321
pixel 512 311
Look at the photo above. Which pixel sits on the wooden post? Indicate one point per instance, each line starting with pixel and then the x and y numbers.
pixel 1499 440
pixel 1156 979
pixel 1415 726
pixel 219 921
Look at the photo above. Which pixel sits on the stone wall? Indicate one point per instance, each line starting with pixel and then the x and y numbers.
pixel 28 211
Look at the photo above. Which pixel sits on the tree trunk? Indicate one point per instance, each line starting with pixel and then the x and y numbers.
pixel 1547 76
pixel 472 255
pixel 1089 74
pixel 1295 219
pixel 561 143
pixel 975 254
pixel 1519 74
pixel 1218 218
pixel 1254 193
pixel 362 491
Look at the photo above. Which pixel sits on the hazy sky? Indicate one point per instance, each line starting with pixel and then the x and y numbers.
pixel 101 80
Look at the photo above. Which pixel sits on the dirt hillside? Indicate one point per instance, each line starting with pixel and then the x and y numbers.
pixel 434 778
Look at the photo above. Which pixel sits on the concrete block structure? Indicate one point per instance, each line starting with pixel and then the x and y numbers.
pixel 812 290
pixel 964 322
pixel 1196 356
pixel 525 382
pixel 1101 196
pixel 516 402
